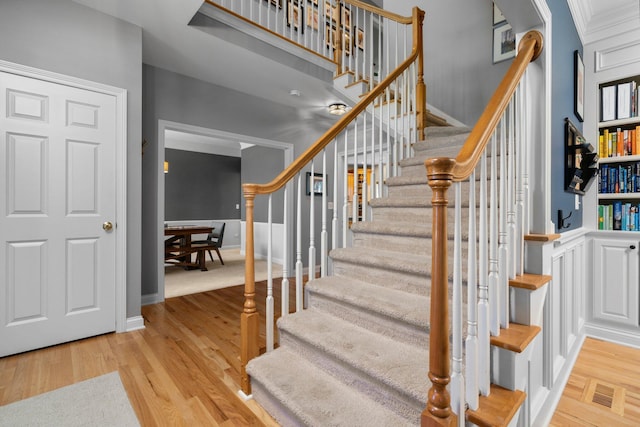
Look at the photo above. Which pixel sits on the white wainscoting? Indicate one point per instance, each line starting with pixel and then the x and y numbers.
pixel 261 237
pixel 563 324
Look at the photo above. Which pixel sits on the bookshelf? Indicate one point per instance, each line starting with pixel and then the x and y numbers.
pixel 619 155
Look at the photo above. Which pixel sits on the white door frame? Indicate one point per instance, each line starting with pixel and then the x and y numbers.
pixel 121 168
pixel 164 125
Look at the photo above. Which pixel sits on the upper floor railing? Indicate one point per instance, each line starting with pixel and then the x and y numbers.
pixel 361 39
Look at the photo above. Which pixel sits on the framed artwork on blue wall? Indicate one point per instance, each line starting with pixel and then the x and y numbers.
pixel 578 85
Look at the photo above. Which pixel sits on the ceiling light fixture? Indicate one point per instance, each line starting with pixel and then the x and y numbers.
pixel 337 109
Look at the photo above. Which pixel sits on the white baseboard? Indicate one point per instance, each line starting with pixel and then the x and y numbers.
pixel 149 299
pixel 629 339
pixel 134 323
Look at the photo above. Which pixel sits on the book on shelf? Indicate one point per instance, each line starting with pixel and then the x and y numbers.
pixel 619 142
pixel 619 216
pixel 619 101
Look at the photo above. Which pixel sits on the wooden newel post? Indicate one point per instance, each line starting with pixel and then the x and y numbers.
pixel 421 89
pixel 438 410
pixel 249 325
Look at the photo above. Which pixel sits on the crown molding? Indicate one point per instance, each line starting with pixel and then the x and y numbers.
pixel 607 22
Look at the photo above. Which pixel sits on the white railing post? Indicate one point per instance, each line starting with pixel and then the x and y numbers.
pixel 494 294
pixel 484 359
pixel 269 302
pixel 323 233
pixel 284 308
pixel 471 344
pixel 457 379
pixel 299 299
pixel 312 229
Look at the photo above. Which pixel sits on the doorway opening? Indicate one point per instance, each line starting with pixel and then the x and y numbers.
pixel 184 142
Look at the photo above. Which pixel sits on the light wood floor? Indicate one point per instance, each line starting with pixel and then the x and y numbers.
pixel 603 389
pixel 183 368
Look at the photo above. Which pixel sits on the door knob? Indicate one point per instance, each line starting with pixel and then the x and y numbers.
pixel 107 226
pixel 632 247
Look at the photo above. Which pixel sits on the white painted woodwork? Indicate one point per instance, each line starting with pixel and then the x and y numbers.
pixel 58 265
pixel 457 378
pixel 615 293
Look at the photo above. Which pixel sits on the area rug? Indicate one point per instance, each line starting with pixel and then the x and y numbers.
pixel 178 281
pixel 100 401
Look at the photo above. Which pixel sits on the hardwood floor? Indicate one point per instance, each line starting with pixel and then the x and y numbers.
pixel 603 389
pixel 182 369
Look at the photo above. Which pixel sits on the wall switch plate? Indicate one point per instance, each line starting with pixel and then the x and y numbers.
pixel 329 205
pixel 237 206
pixel 577 202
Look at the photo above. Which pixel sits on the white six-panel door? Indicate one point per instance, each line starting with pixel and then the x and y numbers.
pixel 57 201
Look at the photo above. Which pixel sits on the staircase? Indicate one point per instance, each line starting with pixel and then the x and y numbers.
pixel 359 354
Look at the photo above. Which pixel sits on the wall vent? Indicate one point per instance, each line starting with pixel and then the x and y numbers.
pixel 605 395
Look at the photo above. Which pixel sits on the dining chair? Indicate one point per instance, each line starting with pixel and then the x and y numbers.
pixel 214 239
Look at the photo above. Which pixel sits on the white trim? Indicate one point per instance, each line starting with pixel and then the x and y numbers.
pixel 120 96
pixel 611 334
pixel 214 133
pixel 546 411
pixel 617 56
pixel 134 323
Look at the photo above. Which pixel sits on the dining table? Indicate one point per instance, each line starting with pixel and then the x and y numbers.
pixel 179 246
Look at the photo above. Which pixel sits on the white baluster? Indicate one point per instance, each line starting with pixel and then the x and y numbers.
pixel 284 308
pixel 345 180
pixel 355 200
pixel 471 345
pixel 511 204
pixel 520 150
pixel 323 232
pixel 312 228
pixel 494 284
pixel 484 359
pixel 365 183
pixel 334 219
pixel 457 379
pixel 299 299
pixel 269 303
pixel 503 242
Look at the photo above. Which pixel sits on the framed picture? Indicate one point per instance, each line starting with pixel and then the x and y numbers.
pixel 294 15
pixel 347 43
pixel 314 2
pixel 504 43
pixel 578 85
pixel 277 3
pixel 315 184
pixel 330 36
pixel 359 40
pixel 498 17
pixel 312 18
pixel 330 12
pixel 346 17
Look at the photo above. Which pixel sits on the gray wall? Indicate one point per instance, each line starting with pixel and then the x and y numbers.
pixel 177 98
pixel 565 42
pixel 259 166
pixel 68 38
pixel 201 186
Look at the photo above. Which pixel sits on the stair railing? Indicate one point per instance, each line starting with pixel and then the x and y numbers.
pixel 347 32
pixel 495 243
pixel 365 143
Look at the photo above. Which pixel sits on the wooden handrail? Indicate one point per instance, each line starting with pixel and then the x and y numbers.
pixel 441 173
pixel 295 167
pixel 529 49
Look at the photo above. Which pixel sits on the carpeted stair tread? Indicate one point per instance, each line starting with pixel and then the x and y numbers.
pixel 401 202
pixel 395 228
pixel 315 398
pixel 394 364
pixel 393 261
pixel 408 180
pixel 435 131
pixel 441 141
pixel 406 307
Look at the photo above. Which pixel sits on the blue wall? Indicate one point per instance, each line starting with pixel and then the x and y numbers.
pixel 565 42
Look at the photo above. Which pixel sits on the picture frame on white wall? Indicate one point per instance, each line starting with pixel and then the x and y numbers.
pixel 504 43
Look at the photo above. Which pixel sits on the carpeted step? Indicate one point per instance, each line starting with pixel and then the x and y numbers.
pixel 388 371
pixel 414 238
pixel 435 131
pixel 396 314
pixel 455 141
pixel 412 210
pixel 395 270
pixel 296 392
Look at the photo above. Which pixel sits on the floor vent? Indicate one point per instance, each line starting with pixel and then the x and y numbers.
pixel 608 396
